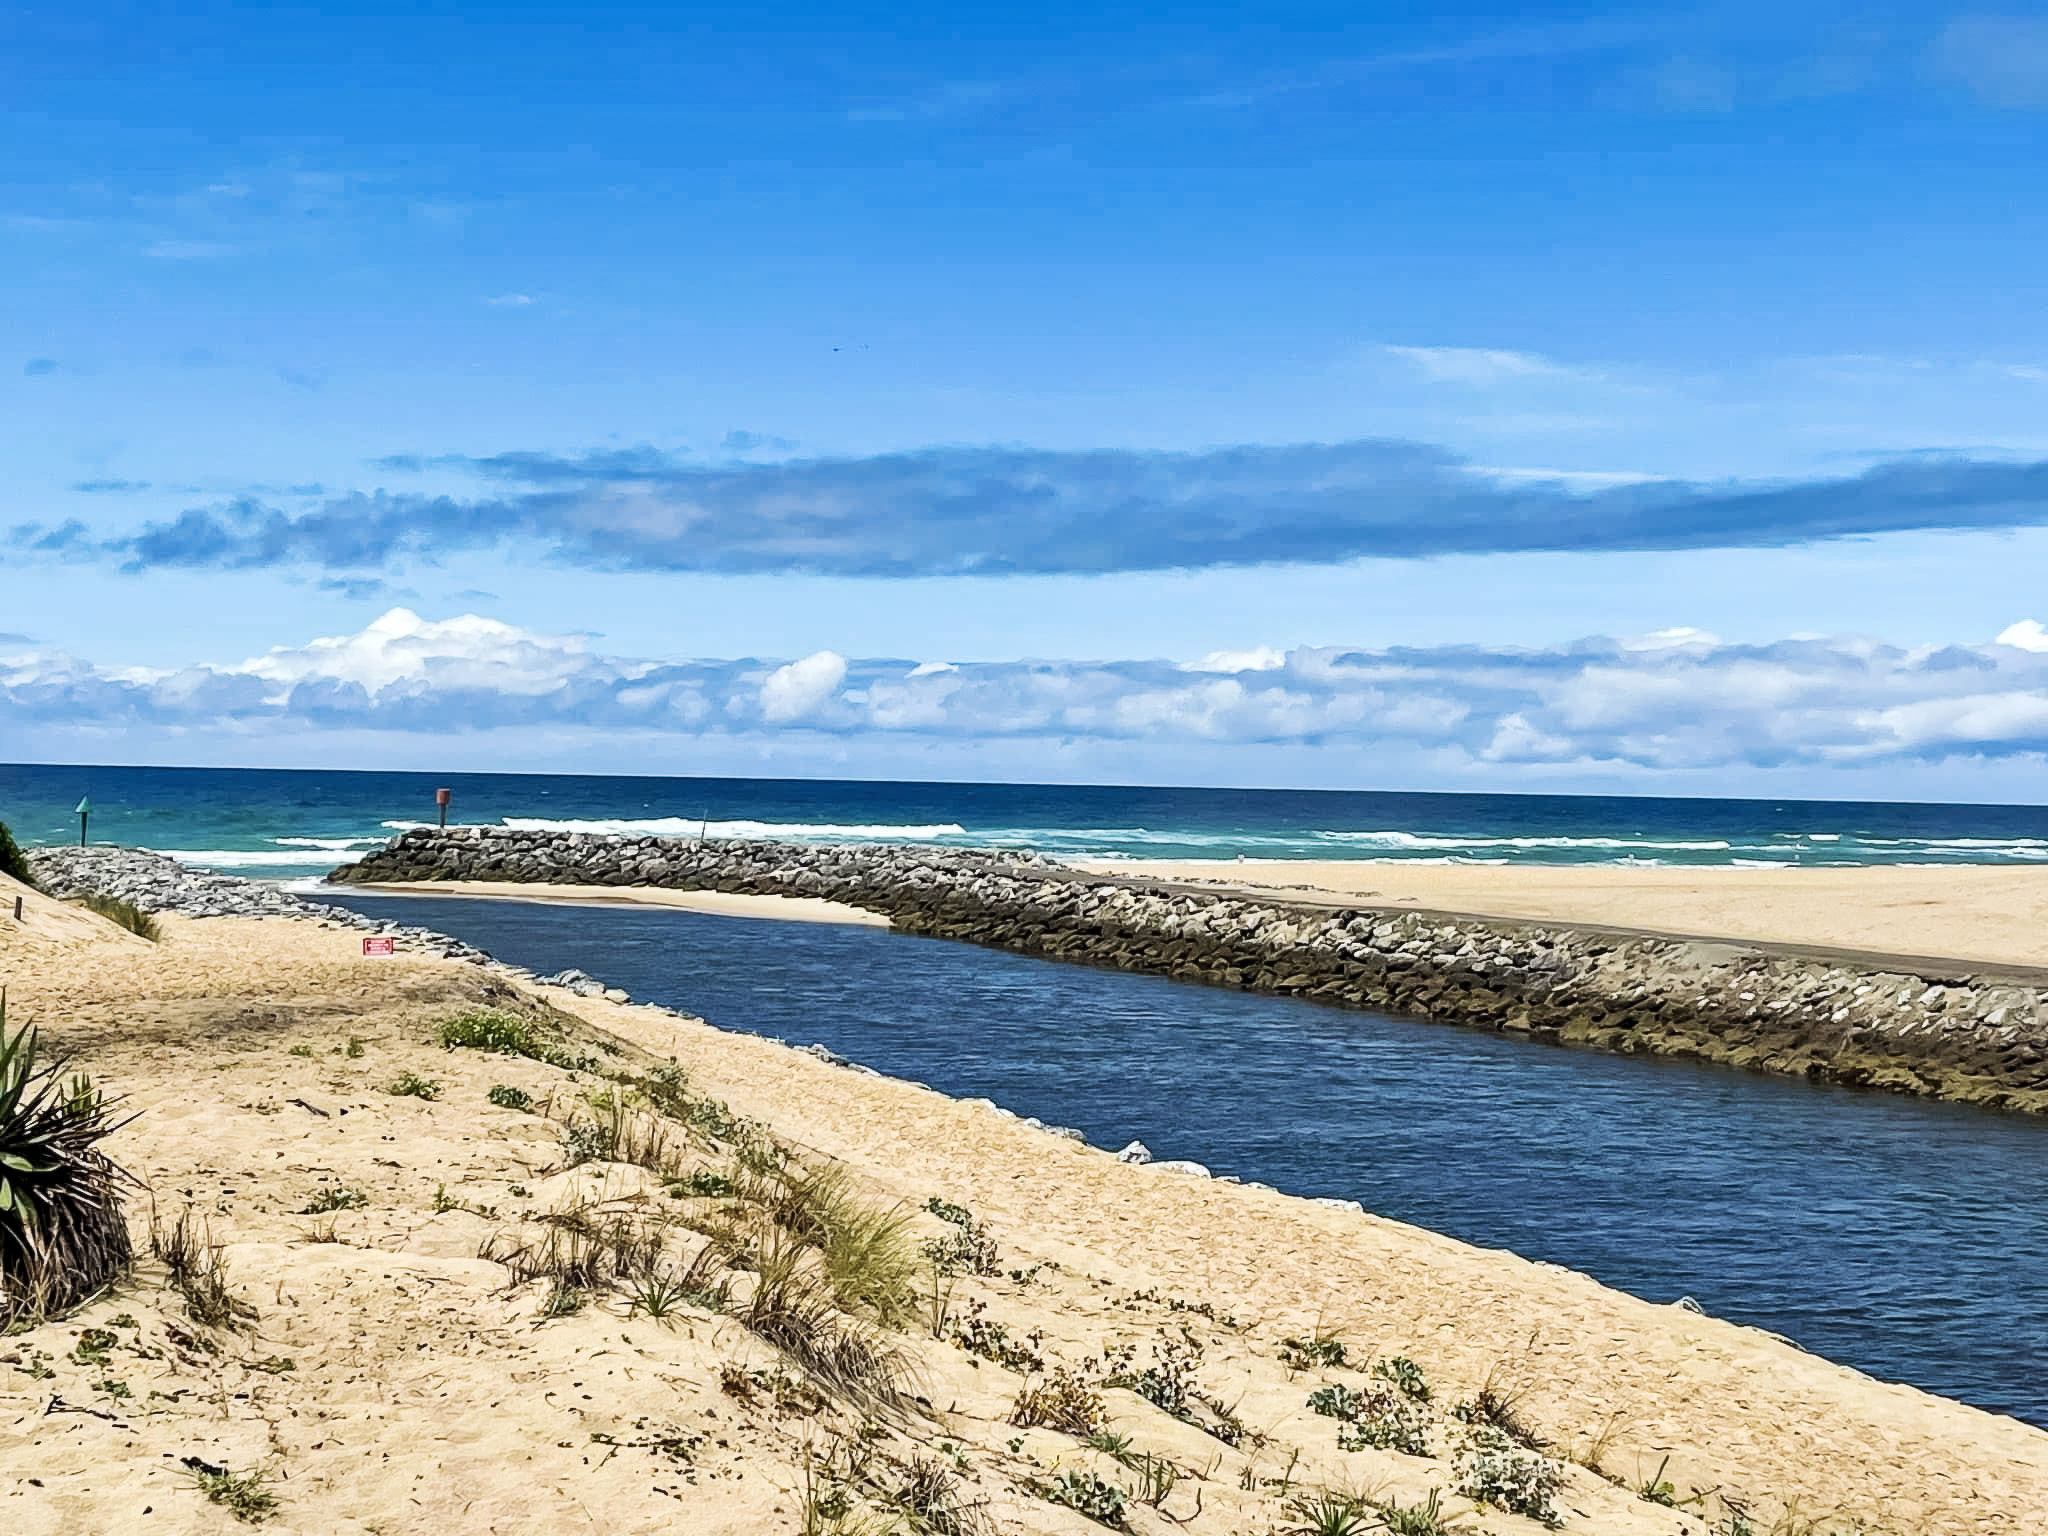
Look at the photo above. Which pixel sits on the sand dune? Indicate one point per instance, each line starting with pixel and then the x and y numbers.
pixel 395 1381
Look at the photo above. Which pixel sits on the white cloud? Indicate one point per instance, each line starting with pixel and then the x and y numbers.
pixel 2027 635
pixel 510 300
pixel 794 691
pixel 1677 700
pixel 1667 639
pixel 1480 365
pixel 400 646
pixel 1260 658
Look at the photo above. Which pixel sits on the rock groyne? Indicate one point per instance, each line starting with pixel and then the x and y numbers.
pixel 1914 1027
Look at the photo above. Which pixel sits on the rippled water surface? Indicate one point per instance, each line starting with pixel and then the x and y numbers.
pixel 1902 1237
pixel 302 822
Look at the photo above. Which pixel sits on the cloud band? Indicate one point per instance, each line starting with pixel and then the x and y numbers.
pixel 1014 511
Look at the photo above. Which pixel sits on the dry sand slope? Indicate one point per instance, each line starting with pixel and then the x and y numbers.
pixel 392 1380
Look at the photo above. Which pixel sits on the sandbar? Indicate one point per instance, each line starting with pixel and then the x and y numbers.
pixel 1974 912
pixel 787 909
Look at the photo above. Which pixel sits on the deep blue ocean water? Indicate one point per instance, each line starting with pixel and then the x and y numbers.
pixel 1897 1235
pixel 300 823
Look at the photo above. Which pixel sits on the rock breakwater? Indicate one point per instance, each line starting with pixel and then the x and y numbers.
pixel 157 883
pixel 1912 1028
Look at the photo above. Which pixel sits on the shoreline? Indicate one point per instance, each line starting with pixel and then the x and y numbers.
pixel 1637 1388
pixel 786 909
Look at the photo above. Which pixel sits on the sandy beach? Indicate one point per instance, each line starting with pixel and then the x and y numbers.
pixel 787 909
pixel 393 1380
pixel 1992 913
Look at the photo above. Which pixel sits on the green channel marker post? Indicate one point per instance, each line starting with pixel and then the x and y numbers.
pixel 84 810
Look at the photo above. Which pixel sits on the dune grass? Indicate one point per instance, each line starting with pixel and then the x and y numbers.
pixel 123 914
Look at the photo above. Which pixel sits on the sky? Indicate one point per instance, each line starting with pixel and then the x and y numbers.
pixel 1459 396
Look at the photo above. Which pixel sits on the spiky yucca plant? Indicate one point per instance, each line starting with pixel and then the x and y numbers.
pixel 63 1237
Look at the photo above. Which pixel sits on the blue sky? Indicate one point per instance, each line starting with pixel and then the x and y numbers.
pixel 1105 339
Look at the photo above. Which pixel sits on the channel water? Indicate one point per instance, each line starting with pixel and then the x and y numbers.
pixel 1904 1237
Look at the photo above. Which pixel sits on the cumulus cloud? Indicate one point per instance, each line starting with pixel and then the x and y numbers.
pixel 1001 511
pixel 1687 702
pixel 794 691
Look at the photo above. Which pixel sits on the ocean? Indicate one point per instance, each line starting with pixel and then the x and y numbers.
pixel 296 824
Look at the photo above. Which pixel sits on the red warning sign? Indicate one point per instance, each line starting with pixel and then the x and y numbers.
pixel 379 946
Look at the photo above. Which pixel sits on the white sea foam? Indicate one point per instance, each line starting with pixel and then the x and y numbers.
pixel 239 858
pixel 328 844
pixel 692 826
pixel 1446 840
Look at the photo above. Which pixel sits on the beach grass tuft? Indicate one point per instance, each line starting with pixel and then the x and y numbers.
pixel 199 1272
pixel 794 1307
pixel 613 1132
pixel 1331 1513
pixel 1424 1519
pixel 1497 1408
pixel 123 914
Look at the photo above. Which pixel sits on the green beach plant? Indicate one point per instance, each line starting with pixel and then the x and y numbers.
pixel 63 1237
pixel 13 863
pixel 1069 1399
pixel 1498 1472
pixel 334 1197
pixel 1087 1494
pixel 410 1085
pixel 509 1034
pixel 1318 1351
pixel 967 1249
pixel 242 1494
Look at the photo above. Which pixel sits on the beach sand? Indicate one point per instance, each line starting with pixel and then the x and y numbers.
pixel 789 909
pixel 1981 912
pixel 393 1381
